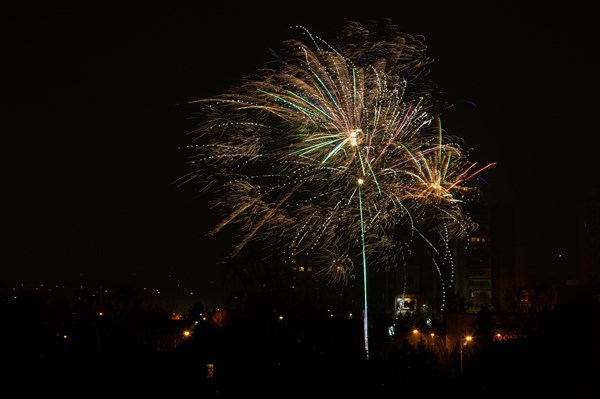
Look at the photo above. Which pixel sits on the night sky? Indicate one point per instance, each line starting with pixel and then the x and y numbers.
pixel 95 121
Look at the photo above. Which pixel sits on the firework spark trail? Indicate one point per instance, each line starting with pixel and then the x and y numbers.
pixel 288 145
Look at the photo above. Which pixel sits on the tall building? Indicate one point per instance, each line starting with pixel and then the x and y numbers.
pixel 485 264
pixel 505 275
pixel 588 239
pixel 474 263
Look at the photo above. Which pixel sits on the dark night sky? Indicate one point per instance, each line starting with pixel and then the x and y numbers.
pixel 94 112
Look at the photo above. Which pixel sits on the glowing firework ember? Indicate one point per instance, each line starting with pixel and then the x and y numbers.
pixel 336 151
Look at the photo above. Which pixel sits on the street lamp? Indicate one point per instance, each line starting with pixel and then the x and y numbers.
pixel 463 342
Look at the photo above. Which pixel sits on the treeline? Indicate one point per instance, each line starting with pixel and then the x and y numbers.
pixel 101 345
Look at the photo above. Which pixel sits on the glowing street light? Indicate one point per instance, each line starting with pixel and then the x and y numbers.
pixel 465 341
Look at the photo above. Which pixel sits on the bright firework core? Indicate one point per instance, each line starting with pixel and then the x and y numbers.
pixel 354 137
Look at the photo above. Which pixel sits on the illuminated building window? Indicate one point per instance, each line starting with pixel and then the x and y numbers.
pixel 478 239
pixel 309 268
pixel 301 268
pixel 293 268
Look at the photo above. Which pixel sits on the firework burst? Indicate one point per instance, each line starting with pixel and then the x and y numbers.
pixel 322 131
